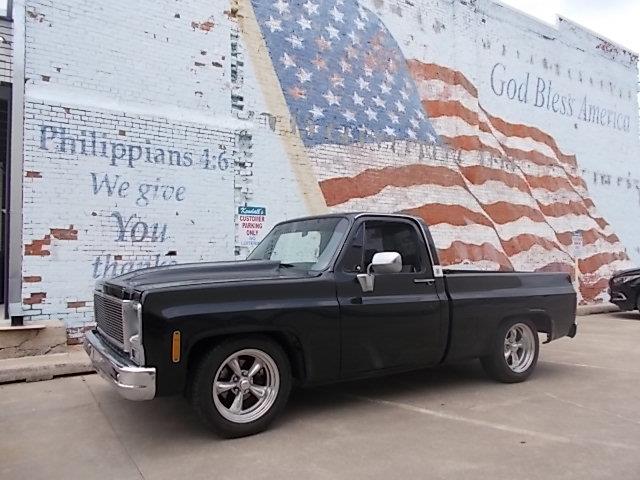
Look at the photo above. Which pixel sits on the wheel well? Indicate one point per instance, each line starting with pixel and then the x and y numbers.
pixel 543 323
pixel 288 342
pixel 540 319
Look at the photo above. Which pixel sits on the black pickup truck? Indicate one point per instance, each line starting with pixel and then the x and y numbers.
pixel 320 300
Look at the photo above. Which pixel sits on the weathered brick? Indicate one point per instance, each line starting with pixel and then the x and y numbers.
pixel 32 279
pixel 34 298
pixel 76 304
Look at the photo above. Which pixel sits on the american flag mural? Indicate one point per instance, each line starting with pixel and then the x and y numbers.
pixel 387 133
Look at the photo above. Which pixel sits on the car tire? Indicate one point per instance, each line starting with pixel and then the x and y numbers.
pixel 230 397
pixel 514 352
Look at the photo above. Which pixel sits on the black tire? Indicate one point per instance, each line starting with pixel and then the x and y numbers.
pixel 497 365
pixel 201 388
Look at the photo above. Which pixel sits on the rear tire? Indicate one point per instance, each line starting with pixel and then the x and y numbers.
pixel 514 352
pixel 240 386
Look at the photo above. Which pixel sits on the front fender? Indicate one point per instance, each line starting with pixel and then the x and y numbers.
pixel 304 312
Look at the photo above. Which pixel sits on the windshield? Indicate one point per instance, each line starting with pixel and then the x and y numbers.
pixel 306 244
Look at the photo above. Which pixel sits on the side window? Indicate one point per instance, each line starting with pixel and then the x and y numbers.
pixel 352 261
pixel 396 237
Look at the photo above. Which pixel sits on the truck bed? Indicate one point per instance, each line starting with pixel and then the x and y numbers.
pixel 479 300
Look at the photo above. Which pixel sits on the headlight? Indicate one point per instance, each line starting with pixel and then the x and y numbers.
pixel 132 317
pixel 625 279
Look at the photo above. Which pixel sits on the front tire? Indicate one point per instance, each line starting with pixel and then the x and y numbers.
pixel 241 385
pixel 514 352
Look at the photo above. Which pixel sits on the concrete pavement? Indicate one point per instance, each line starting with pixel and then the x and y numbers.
pixel 577 418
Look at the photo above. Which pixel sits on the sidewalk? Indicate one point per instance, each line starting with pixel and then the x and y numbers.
pixel 594 309
pixel 45 367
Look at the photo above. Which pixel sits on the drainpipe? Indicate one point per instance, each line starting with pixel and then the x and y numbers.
pixel 15 171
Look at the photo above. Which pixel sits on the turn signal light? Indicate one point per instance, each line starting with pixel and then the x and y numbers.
pixel 175 347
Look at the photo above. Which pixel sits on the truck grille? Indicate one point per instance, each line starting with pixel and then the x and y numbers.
pixel 108 315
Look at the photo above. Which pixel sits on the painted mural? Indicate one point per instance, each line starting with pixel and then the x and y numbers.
pixel 384 132
pixel 516 141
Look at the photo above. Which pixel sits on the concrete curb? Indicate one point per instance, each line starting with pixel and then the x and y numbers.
pixel 45 367
pixel 584 310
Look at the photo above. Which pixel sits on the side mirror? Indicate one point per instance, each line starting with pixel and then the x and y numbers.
pixel 386 262
pixel 383 262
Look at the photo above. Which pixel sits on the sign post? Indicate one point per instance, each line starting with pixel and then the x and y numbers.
pixel 577 244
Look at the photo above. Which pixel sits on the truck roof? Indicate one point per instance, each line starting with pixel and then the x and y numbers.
pixel 353 215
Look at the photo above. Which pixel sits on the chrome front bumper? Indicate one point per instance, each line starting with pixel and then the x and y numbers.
pixel 131 381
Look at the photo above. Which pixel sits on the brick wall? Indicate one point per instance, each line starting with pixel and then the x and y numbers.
pixel 148 123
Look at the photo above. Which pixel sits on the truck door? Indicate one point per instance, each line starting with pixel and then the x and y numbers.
pixel 401 322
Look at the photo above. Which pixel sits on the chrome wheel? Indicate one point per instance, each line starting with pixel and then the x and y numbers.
pixel 519 347
pixel 246 386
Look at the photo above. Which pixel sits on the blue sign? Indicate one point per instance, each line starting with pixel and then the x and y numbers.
pixel 252 211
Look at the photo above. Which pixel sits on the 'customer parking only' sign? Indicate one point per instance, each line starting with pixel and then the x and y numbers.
pixel 249 225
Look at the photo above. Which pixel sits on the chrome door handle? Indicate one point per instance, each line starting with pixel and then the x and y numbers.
pixel 428 281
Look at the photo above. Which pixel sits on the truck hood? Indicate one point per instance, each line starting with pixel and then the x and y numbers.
pixel 201 273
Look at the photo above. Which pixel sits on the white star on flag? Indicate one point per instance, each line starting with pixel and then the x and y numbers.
pixel 349 116
pixel 332 31
pixel 379 102
pixel 337 15
pixel 371 114
pixel 331 98
pixel 311 8
pixel 281 6
pixel 295 41
pixel 303 75
pixel 388 76
pixel 317 112
pixel 274 25
pixel 287 60
pixel 363 84
pixel 304 23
